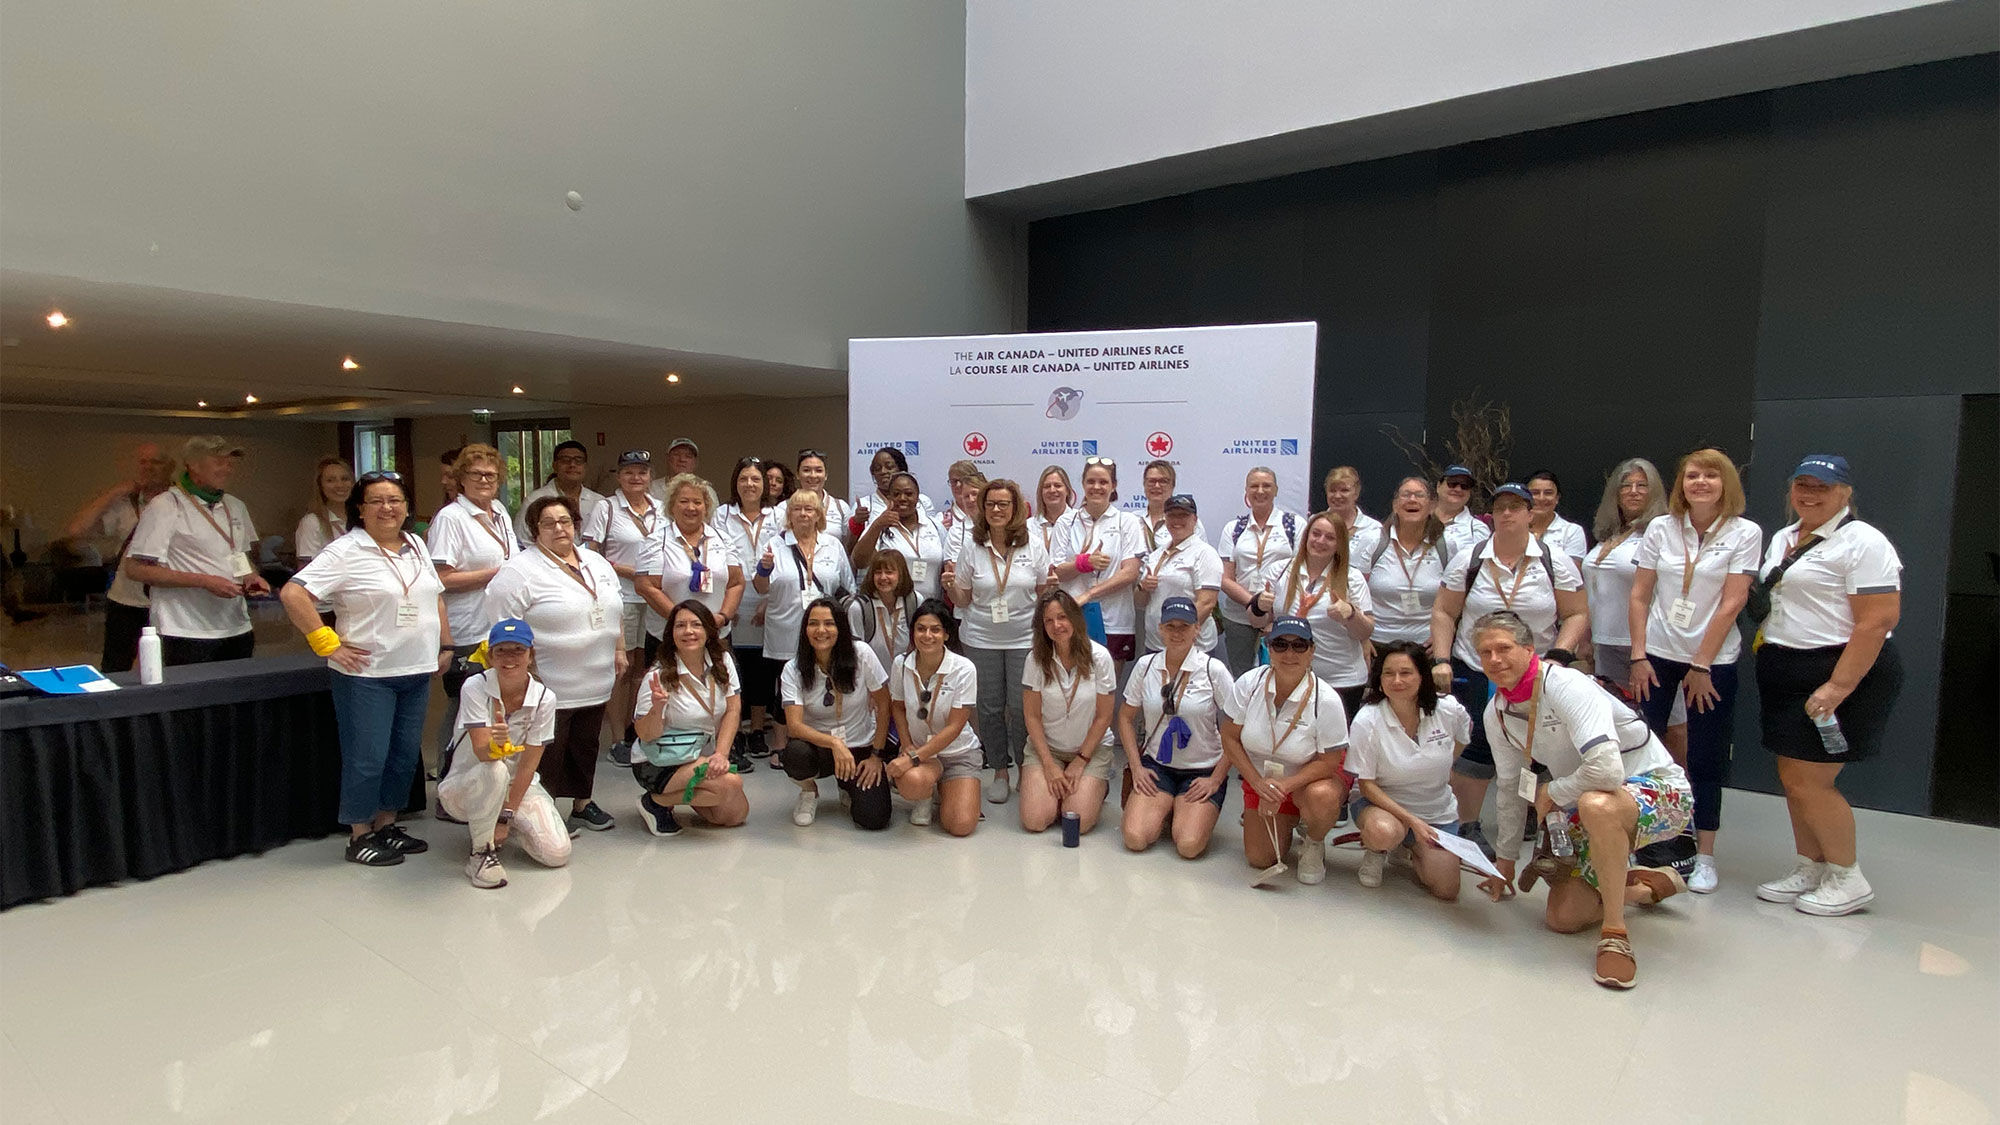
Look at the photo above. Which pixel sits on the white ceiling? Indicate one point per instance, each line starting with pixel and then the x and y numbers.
pixel 137 349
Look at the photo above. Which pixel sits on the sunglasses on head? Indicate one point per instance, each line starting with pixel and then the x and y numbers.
pixel 1093 462
pixel 1289 644
pixel 377 476
pixel 805 453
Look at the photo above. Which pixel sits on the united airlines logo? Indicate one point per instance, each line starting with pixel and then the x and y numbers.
pixel 1288 447
pixel 1089 448
pixel 1064 402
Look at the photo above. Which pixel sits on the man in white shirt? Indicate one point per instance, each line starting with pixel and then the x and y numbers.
pixel 108 523
pixel 192 546
pixel 682 456
pixel 566 473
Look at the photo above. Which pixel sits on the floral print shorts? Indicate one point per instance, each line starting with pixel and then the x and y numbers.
pixel 1666 806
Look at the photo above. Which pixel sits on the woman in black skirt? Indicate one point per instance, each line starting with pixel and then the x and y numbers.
pixel 1827 676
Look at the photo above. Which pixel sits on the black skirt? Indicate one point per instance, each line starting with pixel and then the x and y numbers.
pixel 1786 677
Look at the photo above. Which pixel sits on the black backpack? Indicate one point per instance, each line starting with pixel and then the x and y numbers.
pixel 1437 548
pixel 1472 568
pixel 1242 525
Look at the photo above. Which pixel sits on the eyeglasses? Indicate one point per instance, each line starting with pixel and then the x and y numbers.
pixel 1413 494
pixel 487 477
pixel 385 502
pixel 376 477
pixel 557 524
pixel 998 505
pixel 1289 644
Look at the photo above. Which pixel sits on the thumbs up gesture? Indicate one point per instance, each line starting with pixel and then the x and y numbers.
pixel 496 731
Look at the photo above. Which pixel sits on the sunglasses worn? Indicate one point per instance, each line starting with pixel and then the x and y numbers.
pixel 1289 644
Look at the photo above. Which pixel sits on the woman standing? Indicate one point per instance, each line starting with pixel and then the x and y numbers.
pixel 1253 550
pixel 625 529
pixel 812 476
pixel 1510 571
pixel 470 539
pixel 1405 566
pixel 1069 770
pixel 1462 529
pixel 1320 587
pixel 1178 767
pixel 1286 733
pixel 1097 562
pixel 883 466
pixel 778 484
pixel 692 690
pixel 932 694
pixel 1682 660
pixel 748 527
pixel 1545 493
pixel 691 561
pixel 837 712
pixel 959 521
pixel 1827 676
pixel 996 580
pixel 1404 742
pixel 804 565
pixel 389 636
pixel 569 597
pixel 1343 499
pixel 1053 497
pixel 900 525
pixel 506 716
pixel 880 617
pixel 1633 497
pixel 326 517
pixel 1181 567
pixel 1157 481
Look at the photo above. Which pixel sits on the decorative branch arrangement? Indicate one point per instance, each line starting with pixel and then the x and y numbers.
pixel 1482 438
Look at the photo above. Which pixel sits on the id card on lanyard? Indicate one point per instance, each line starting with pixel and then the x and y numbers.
pixel 406 609
pixel 1410 600
pixel 239 560
pixel 1524 786
pixel 1681 614
pixel 1001 611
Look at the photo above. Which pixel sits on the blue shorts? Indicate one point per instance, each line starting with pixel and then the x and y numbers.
pixel 1357 802
pixel 1174 782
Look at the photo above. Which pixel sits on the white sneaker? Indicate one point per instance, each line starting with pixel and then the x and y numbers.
pixel 1400 857
pixel 1372 864
pixel 1843 891
pixel 807 809
pixel 998 788
pixel 922 812
pixel 1806 876
pixel 1703 879
pixel 1312 861
pixel 484 870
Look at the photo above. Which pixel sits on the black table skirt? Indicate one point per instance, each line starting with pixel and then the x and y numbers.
pixel 224 759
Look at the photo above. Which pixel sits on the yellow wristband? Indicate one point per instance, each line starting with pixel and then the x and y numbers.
pixel 323 640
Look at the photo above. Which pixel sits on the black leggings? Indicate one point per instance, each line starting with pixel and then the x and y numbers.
pixel 869 806
pixel 1708 733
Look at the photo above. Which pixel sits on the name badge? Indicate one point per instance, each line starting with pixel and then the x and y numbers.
pixel 1525 787
pixel 406 615
pixel 920 571
pixel 1681 615
pixel 240 566
pixel 1001 612
pixel 597 617
pixel 1412 602
pixel 708 580
pixel 1274 768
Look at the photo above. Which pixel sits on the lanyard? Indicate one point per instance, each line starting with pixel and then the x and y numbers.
pixel 480 518
pixel 1048 529
pixel 999 573
pixel 396 567
pixel 808 577
pixel 228 536
pixel 696 551
pixel 885 624
pixel 1688 560
pixel 1403 561
pixel 1180 683
pixel 1153 529
pixel 754 527
pixel 578 573
pixel 1297 714
pixel 1263 536
pixel 651 520
pixel 1096 545
pixel 936 702
pixel 1520 572
pixel 1075 685
pixel 1527 748
pixel 914 540
pixel 1299 597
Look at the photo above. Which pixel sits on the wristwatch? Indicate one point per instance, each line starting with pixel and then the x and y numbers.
pixel 506 816
pixel 912 756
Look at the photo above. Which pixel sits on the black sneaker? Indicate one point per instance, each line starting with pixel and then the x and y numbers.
pixel 1469 830
pixel 755 744
pixel 372 851
pixel 742 761
pixel 621 753
pixel 658 819
pixel 593 818
pixel 394 836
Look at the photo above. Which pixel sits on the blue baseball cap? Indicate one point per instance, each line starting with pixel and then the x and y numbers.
pixel 1451 471
pixel 1829 468
pixel 1178 502
pixel 1178 609
pixel 1512 489
pixel 511 631
pixel 1291 627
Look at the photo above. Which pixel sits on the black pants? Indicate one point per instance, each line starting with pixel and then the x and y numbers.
pixel 189 650
pixel 1708 733
pixel 1470 687
pixel 122 624
pixel 870 807
pixel 569 761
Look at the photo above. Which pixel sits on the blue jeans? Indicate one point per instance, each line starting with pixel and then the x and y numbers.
pixel 381 741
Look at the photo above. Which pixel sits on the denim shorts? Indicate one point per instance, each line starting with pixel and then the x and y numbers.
pixel 1174 782
pixel 1357 802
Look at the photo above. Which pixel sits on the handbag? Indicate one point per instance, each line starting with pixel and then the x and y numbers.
pixel 1757 606
pixel 676 747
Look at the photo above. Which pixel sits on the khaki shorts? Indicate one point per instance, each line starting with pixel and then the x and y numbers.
pixel 1100 766
pixel 632 625
pixel 963 763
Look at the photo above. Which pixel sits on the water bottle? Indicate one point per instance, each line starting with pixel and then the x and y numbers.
pixel 1830 735
pixel 1072 828
pixel 152 665
pixel 1558 829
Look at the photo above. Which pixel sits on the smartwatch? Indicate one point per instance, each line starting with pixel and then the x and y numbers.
pixel 912 756
pixel 506 816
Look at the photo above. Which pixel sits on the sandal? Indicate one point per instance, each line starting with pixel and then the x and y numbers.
pixel 1664 882
pixel 1616 967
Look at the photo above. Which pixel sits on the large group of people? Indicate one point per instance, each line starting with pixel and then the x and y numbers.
pixel 1023 643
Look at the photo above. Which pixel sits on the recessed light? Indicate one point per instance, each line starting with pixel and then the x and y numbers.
pixel 57 319
pixel 251 399
pixel 203 404
pixel 519 391
pixel 673 376
pixel 348 364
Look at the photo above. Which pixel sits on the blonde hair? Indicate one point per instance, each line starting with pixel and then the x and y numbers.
pixel 690 480
pixel 807 495
pixel 1341 472
pixel 320 508
pixel 1069 490
pixel 1734 503
pixel 472 455
pixel 1336 571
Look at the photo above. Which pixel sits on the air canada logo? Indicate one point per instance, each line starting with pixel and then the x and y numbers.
pixel 1064 402
pixel 1159 443
pixel 975 444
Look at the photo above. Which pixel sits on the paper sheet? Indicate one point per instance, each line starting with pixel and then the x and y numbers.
pixel 1468 853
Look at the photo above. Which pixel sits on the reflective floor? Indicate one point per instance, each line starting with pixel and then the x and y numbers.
pixel 786 974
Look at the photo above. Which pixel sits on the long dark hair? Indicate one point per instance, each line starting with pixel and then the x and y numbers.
pixel 845 672
pixel 940 609
pixel 718 665
pixel 355 497
pixel 1079 638
pixel 1427 692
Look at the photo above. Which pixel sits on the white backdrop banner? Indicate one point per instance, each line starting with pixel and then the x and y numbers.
pixel 1215 402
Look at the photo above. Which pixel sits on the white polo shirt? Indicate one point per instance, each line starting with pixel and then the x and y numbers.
pixel 746 539
pixel 1414 772
pixel 1607 583
pixel 533 723
pixel 1669 547
pixel 1588 740
pixel 956 528
pixel 1403 587
pixel 1115 533
pixel 1192 565
pixel 922 551
pixel 851 715
pixel 884 628
pixel 586 502
pixel 625 538
pixel 1364 529
pixel 672 560
pixel 838 512
pixel 1259 552
pixel 385 604
pixel 869 505
pixel 1338 658
pixel 1809 607
pixel 1205 683
pixel 1271 736
pixel 118 523
pixel 955 684
pixel 1463 532
pixel 1566 535
pixel 694 702
pixel 1048 532
pixel 464 538
pixel 180 532
pixel 796 582
pixel 1525 589
pixel 576 620
pixel 1069 699
pixel 1155 532
pixel 308 539
pixel 1002 612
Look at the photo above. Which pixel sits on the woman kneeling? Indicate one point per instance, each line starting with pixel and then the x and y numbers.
pixel 692 693
pixel 932 694
pixel 1287 733
pixel 1178 770
pixel 1069 691
pixel 837 712
pixel 493 789
pixel 1404 743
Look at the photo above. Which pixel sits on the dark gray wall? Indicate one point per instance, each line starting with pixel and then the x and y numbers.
pixel 1821 262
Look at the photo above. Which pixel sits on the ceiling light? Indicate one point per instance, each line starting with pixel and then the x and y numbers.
pixel 203 404
pixel 518 390
pixel 250 399
pixel 57 319
pixel 673 376
pixel 348 364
